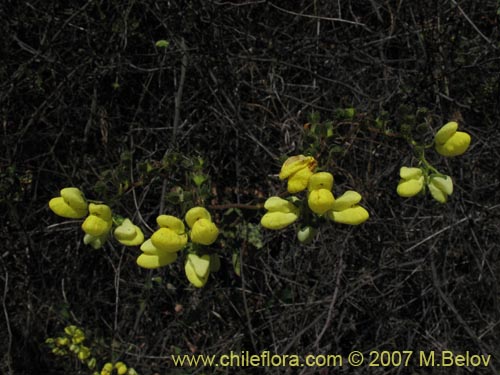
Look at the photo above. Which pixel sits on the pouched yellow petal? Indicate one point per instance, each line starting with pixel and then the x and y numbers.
pixel 197 213
pixel 320 201
pixel 201 264
pixel 295 163
pixel 456 145
pixel 96 226
pixel 440 188
pixel 410 173
pixel 75 198
pixel 171 222
pixel 320 180
pixel 100 210
pixel 445 132
pixel 125 231
pixel 278 220
pixel 61 208
pixel 277 204
pixel 351 216
pixel 165 239
pixel 411 187
pixel 299 180
pixel 193 277
pixel 129 234
pixel 148 248
pixel 156 261
pixel 346 200
pixel 204 232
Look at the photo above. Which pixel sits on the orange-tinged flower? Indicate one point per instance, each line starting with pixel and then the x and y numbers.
pixel 297 169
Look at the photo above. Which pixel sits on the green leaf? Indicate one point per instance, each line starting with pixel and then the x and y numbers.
pixel 199 179
pixel 162 43
pixel 236 263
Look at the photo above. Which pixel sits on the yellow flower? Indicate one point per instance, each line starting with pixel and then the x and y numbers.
pixel 153 258
pixel 121 368
pixel 281 213
pixel 171 236
pixel 100 220
pixel 320 201
pixel 129 234
pixel 346 210
pixel 107 369
pixel 297 169
pixel 203 230
pixel 321 180
pixel 83 353
pixel 197 269
pixel 411 183
pixel 450 142
pixel 71 204
pixel 440 187
pixel 320 198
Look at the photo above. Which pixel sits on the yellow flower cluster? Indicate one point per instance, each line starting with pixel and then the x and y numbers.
pixel 163 246
pixel 299 170
pixel 448 142
pixel 413 181
pixel 72 343
pixel 119 368
pixel 98 224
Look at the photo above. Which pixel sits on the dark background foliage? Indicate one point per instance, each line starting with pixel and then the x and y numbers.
pixel 88 100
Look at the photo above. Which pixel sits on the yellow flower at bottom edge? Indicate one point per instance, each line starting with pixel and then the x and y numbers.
pixel 152 257
pixel 197 269
pixel 450 142
pixel 440 187
pixel 346 210
pixel 281 213
pixel 411 183
pixel 129 234
pixel 71 204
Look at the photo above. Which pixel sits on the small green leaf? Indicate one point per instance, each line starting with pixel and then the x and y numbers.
pixel 236 263
pixel 199 179
pixel 162 43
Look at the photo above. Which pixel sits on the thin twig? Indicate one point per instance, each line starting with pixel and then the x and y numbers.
pixel 316 17
pixel 7 355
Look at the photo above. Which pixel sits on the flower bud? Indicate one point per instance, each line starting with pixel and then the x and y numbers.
pixel 306 234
